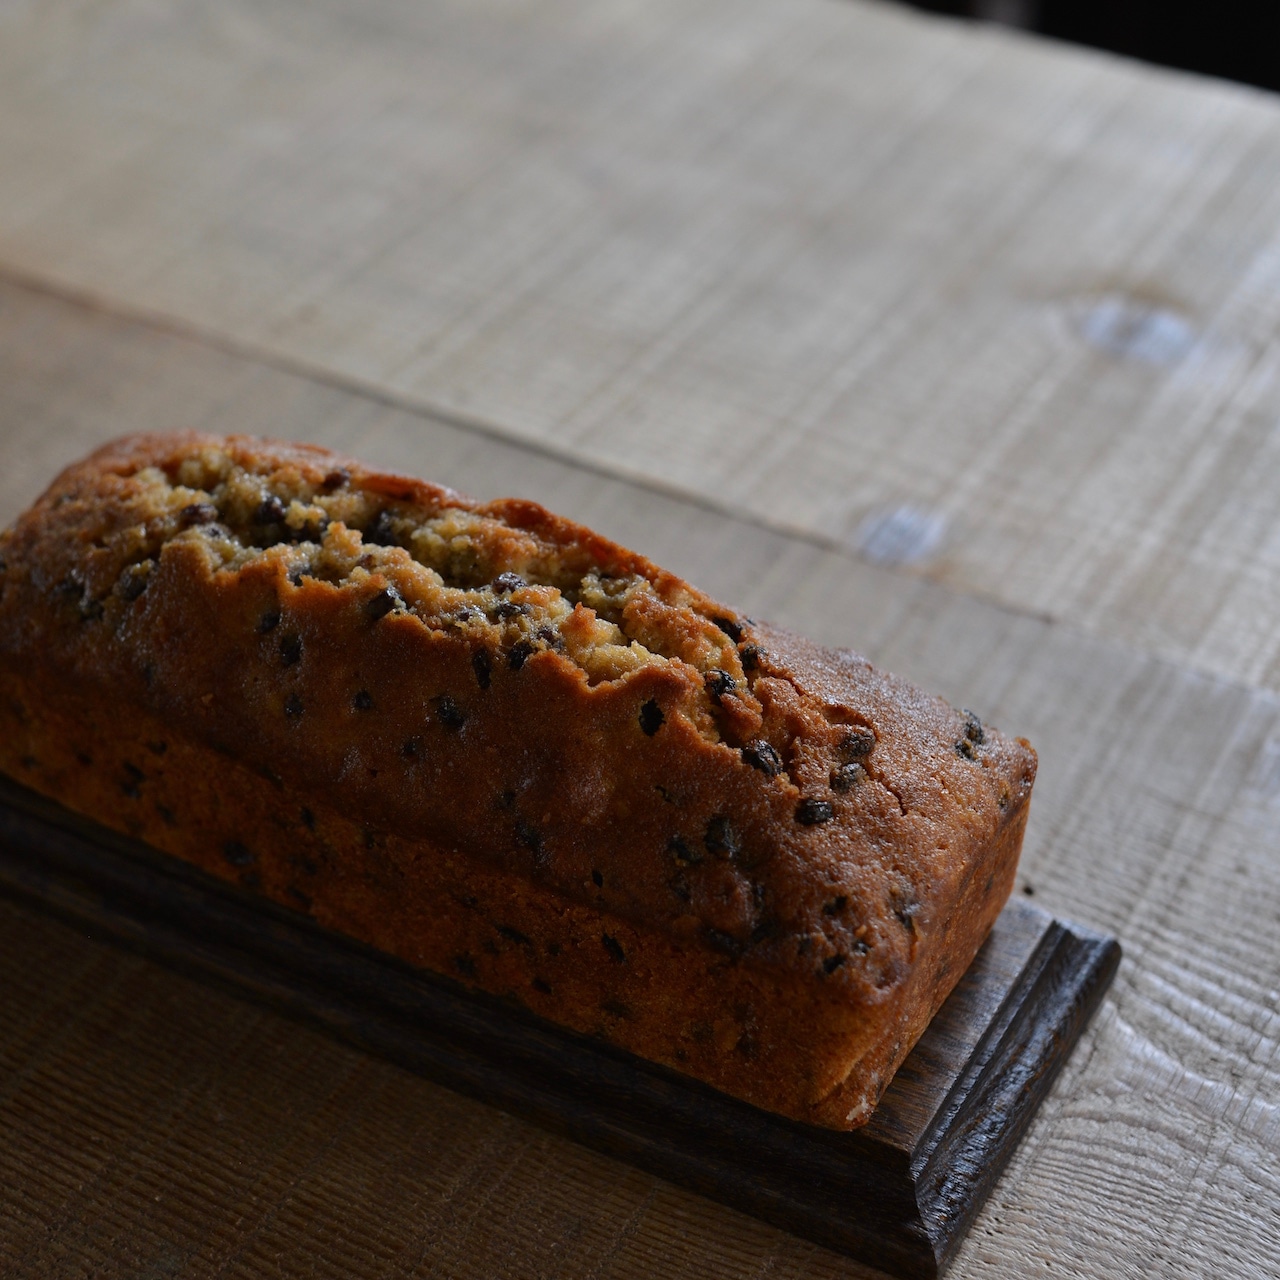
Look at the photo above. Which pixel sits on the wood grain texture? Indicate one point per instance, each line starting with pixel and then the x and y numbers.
pixel 1000 311
pixel 274 1151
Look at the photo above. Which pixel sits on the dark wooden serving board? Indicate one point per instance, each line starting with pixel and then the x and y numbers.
pixel 898 1193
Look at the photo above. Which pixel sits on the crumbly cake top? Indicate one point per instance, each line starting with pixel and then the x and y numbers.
pixel 504 577
pixel 598 724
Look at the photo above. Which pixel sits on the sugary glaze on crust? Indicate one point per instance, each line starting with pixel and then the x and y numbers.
pixel 757 860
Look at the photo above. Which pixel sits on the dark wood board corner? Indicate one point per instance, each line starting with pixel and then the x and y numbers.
pixel 897 1194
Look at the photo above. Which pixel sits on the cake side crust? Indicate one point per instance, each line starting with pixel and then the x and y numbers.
pixel 759 1035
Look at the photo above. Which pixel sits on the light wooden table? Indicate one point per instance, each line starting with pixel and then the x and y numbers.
pixel 952 346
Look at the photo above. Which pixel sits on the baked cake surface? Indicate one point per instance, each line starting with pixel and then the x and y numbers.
pixel 497 745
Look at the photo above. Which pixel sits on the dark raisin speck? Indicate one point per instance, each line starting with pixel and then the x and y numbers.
pixel 236 854
pixel 973 729
pixel 308 819
pixel 613 947
pixel 451 715
pixel 133 581
pixel 505 583
pixel 530 837
pixel 551 638
pixel 480 664
pixel 856 743
pixel 719 683
pixel 198 513
pixel 761 755
pixel 651 718
pixel 832 963
pixel 387 600
pixel 311 531
pixel 290 649
pixel 847 776
pixel 505 610
pixel 410 748
pixel 683 852
pixel 335 480
pixel 293 706
pixel 363 701
pixel 731 628
pixel 382 531
pixel 721 839
pixel 812 813
pixel 597 879
pixel 765 930
pixel 965 749
pixel 724 942
pixel 270 510
pixel 268 622
pixel 835 906
pixel 514 935
pixel 750 656
pixel 520 653
pixel 538 984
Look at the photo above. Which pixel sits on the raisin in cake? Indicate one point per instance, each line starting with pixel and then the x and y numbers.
pixel 490 742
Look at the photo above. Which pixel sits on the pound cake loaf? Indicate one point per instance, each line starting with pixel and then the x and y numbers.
pixel 494 744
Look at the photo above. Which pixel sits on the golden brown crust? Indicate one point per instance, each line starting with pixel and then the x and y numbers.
pixel 586 785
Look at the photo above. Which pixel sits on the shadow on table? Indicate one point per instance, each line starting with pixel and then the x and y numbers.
pixel 1235 39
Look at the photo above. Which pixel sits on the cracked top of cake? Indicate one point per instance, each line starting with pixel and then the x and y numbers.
pixel 507 684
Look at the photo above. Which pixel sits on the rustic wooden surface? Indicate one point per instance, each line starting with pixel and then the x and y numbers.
pixel 952 346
